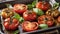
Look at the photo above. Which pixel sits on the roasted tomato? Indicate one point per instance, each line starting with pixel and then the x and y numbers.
pixel 49 23
pixel 20 8
pixel 53 13
pixel 7 13
pixel 29 26
pixel 11 24
pixel 58 19
pixel 29 15
pixel 43 5
pixel 46 19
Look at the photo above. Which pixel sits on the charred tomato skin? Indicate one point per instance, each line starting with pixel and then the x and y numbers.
pixel 43 5
pixel 46 19
pixel 11 25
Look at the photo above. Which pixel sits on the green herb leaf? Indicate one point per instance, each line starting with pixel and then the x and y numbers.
pixel 38 11
pixel 16 32
pixel 34 3
pixel 55 5
pixel 31 6
pixel 21 19
pixel 43 26
pixel 17 16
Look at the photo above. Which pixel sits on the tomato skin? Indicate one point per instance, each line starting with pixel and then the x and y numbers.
pixel 29 16
pixel 6 25
pixel 45 19
pixel 11 26
pixel 20 8
pixel 43 5
pixel 29 26
pixel 58 19
pixel 7 12
pixel 49 23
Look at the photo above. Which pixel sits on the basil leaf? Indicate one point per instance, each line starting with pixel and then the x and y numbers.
pixel 55 5
pixel 21 19
pixel 16 32
pixel 17 16
pixel 29 6
pixel 39 12
pixel 43 26
pixel 34 3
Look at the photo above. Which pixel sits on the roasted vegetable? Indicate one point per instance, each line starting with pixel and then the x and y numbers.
pixel 29 15
pixel 7 13
pixel 20 8
pixel 11 24
pixel 46 19
pixel 53 13
pixel 29 26
pixel 58 19
pixel 43 5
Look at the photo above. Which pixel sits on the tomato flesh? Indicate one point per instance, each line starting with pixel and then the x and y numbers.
pixel 43 5
pixel 28 26
pixel 29 16
pixel 20 8
pixel 11 25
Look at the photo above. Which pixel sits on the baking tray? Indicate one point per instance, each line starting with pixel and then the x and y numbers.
pixel 2 5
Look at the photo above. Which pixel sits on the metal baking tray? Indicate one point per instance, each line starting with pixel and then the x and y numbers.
pixel 2 5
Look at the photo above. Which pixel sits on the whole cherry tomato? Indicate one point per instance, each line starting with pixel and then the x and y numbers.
pixel 45 19
pixel 29 15
pixel 43 5
pixel 20 8
pixel 11 24
pixel 29 26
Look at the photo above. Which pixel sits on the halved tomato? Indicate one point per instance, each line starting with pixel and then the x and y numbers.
pixel 20 8
pixel 29 26
pixel 29 15
pixel 43 5
pixel 46 19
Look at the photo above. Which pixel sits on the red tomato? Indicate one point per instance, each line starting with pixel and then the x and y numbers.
pixel 49 23
pixel 45 19
pixel 29 26
pixel 43 5
pixel 20 8
pixel 58 19
pixel 11 25
pixel 29 15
